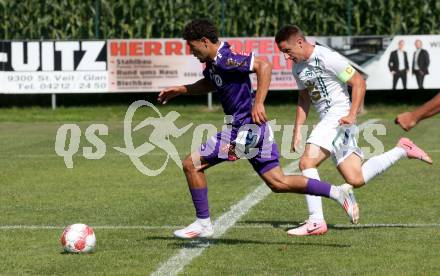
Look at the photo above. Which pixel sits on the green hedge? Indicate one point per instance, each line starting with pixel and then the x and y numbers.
pixel 65 19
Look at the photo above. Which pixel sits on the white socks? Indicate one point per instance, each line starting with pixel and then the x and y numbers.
pixel 204 222
pixel 314 203
pixel 371 168
pixel 380 163
pixel 335 193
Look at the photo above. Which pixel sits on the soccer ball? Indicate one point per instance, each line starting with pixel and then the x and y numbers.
pixel 78 238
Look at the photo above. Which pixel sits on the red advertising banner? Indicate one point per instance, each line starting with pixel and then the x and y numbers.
pixel 266 48
pixel 150 65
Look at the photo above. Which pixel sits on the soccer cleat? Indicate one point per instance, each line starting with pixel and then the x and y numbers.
pixel 413 151
pixel 309 228
pixel 195 230
pixel 348 202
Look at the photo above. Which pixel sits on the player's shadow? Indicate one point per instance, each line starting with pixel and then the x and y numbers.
pixel 343 227
pixel 280 224
pixel 201 243
pixel 286 225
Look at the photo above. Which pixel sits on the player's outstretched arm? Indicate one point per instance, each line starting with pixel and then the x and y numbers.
pixel 200 87
pixel 358 86
pixel 408 120
pixel 302 111
pixel 263 69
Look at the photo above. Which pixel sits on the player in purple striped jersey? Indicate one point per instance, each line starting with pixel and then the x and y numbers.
pixel 247 133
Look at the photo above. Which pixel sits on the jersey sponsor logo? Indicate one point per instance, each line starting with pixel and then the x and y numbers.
pixel 309 74
pixel 315 94
pixel 235 63
pixel 318 70
pixel 310 85
pixel 240 53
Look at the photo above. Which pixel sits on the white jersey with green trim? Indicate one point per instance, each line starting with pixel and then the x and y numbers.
pixel 324 75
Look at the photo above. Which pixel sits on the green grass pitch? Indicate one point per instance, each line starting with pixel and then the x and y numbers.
pixel 111 195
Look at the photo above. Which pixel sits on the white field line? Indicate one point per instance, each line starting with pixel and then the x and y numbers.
pixel 76 155
pixel 176 263
pixel 102 227
pixel 239 226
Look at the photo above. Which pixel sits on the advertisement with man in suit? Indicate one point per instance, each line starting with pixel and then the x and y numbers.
pixel 420 63
pixel 398 64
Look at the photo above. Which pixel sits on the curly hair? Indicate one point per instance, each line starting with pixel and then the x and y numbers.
pixel 287 31
pixel 200 28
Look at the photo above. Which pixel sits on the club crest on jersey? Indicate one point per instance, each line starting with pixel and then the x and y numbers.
pixel 216 78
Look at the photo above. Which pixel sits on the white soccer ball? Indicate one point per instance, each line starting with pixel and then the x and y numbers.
pixel 78 238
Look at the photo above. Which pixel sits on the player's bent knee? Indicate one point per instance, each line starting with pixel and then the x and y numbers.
pixel 355 181
pixel 306 163
pixel 275 188
pixel 187 164
pixel 276 185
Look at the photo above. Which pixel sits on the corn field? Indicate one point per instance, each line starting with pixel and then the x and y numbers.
pixel 71 19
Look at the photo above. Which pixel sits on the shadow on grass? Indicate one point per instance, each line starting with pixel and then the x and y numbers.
pixel 201 243
pixel 280 224
pixel 76 253
pixel 381 225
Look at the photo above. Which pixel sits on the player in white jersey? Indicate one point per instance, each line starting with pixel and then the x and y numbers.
pixel 322 76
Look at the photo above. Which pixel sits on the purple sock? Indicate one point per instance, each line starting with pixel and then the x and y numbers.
pixel 318 188
pixel 200 200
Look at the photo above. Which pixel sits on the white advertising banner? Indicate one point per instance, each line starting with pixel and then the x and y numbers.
pixel 388 67
pixel 381 77
pixel 53 67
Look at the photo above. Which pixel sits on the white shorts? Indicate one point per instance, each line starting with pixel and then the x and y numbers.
pixel 340 141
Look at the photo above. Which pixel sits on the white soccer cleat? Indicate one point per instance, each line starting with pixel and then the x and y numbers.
pixel 348 202
pixel 195 230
